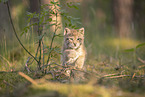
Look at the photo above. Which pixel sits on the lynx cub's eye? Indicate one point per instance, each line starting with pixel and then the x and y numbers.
pixel 67 38
pixel 79 39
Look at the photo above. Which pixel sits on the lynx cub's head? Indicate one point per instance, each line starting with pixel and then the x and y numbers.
pixel 73 39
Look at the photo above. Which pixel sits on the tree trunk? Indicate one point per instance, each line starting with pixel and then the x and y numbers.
pixel 5 26
pixel 139 18
pixel 34 7
pixel 123 17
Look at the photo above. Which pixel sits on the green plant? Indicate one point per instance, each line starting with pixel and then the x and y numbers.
pixel 135 50
pixel 43 23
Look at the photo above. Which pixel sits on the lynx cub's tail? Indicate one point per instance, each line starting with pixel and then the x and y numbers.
pixel 73 48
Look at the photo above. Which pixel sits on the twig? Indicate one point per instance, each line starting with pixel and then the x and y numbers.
pixel 16 33
pixel 119 75
pixel 35 54
pixel 126 76
pixel 142 61
pixel 28 78
pixel 43 55
pixel 114 74
pixel 26 65
pixel 39 34
pixel 110 75
pixel 141 66
pixel 133 76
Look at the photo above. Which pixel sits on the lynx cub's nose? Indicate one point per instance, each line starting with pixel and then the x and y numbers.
pixel 74 44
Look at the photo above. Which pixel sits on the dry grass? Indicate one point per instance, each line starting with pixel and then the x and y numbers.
pixel 107 60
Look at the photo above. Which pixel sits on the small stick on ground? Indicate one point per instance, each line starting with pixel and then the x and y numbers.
pixel 110 75
pixel 28 78
pixel 114 74
pixel 142 61
pixel 126 76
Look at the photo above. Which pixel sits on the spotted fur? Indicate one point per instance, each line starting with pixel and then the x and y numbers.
pixel 73 49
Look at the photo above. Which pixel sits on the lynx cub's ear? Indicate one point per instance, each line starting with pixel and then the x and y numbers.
pixel 66 31
pixel 82 30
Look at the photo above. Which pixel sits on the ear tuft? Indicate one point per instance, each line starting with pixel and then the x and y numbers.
pixel 66 31
pixel 82 30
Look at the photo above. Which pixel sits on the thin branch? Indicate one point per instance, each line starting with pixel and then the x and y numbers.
pixel 52 41
pixel 39 34
pixel 26 65
pixel 43 55
pixel 16 33
pixel 54 34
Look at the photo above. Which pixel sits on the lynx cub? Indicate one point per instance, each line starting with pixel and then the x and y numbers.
pixel 73 48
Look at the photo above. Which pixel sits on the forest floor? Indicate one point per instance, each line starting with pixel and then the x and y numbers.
pixel 109 74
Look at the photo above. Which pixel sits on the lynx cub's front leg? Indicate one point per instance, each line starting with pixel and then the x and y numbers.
pixel 70 56
pixel 73 49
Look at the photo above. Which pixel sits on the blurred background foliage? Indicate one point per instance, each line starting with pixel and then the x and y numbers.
pixel 110 26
